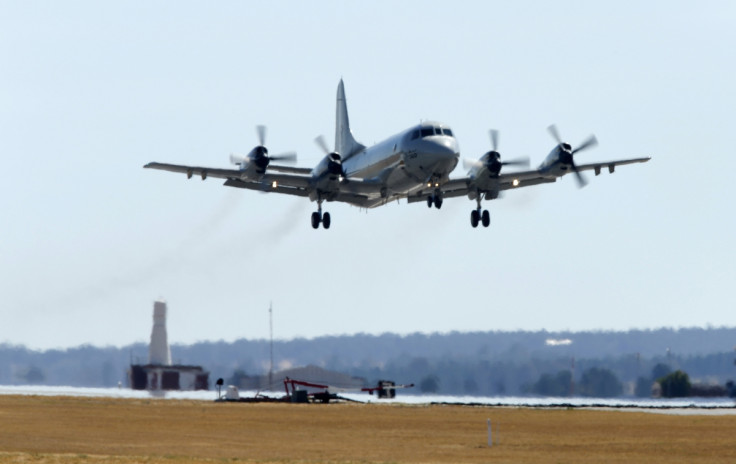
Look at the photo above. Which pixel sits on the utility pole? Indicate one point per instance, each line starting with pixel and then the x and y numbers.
pixel 270 322
pixel 572 377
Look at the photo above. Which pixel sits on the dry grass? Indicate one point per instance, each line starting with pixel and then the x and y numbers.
pixel 86 430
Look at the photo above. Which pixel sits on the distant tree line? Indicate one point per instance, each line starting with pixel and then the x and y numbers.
pixel 480 363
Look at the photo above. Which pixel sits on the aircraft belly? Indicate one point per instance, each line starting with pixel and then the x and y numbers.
pixel 424 166
pixel 400 182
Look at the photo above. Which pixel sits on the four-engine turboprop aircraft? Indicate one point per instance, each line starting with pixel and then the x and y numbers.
pixel 414 164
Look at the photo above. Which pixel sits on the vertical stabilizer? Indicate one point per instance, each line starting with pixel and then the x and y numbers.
pixel 345 144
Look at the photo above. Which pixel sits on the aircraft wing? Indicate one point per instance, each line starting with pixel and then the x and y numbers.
pixel 464 185
pixel 355 192
pixel 610 165
pixel 288 180
pixel 268 187
pixel 191 170
pixel 222 173
pixel 513 180
pixel 290 169
pixel 535 177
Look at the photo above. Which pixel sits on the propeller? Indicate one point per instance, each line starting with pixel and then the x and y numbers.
pixel 567 152
pixel 334 164
pixel 289 156
pixel 259 155
pixel 237 158
pixel 493 158
pixel 320 141
pixel 261 131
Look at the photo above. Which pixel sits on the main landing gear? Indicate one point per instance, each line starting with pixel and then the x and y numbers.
pixel 483 217
pixel 319 217
pixel 477 216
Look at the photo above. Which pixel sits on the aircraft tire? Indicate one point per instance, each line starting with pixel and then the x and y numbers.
pixel 474 218
pixel 438 203
pixel 326 221
pixel 486 218
pixel 429 202
pixel 315 220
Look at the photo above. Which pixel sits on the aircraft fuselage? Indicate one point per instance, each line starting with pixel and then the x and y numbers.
pixel 408 161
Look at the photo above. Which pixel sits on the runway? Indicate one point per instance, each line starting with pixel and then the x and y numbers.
pixel 690 406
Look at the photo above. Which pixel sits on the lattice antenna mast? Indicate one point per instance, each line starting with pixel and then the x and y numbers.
pixel 270 323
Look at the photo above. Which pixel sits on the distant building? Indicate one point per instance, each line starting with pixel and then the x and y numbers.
pixel 160 373
pixel 174 377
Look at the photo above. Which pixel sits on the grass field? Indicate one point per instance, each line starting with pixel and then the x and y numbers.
pixel 38 429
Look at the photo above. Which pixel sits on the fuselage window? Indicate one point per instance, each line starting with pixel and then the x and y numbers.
pixel 427 131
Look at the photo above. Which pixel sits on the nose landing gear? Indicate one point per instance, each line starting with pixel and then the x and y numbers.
pixel 435 199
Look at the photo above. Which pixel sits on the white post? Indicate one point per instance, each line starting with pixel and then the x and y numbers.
pixel 490 437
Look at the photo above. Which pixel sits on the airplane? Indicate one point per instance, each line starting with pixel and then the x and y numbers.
pixel 414 164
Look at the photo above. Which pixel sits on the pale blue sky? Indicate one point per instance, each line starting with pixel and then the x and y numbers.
pixel 91 91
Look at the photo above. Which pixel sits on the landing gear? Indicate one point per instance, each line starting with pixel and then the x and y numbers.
pixel 485 218
pixel 435 200
pixel 318 217
pixel 478 215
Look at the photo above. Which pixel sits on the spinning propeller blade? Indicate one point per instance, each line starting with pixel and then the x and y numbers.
pixel 590 142
pixel 553 131
pixel 517 162
pixel 236 158
pixel 320 141
pixel 493 158
pixel 494 139
pixel 289 157
pixel 469 164
pixel 261 131
pixel 567 152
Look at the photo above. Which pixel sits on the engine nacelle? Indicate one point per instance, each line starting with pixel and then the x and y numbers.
pixel 493 163
pixel 259 157
pixel 330 165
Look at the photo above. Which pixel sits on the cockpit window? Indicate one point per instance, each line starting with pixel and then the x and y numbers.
pixel 428 131
pixel 415 134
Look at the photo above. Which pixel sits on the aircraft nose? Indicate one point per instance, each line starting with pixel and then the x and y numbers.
pixel 444 147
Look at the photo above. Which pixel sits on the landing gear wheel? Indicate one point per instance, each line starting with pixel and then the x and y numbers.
pixel 486 218
pixel 438 202
pixel 430 200
pixel 315 220
pixel 474 217
pixel 326 220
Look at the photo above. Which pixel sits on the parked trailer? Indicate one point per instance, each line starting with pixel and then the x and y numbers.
pixel 384 389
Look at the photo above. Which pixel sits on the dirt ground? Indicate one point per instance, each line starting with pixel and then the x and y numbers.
pixel 38 429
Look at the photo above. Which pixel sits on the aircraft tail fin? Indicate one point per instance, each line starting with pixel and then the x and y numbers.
pixel 345 143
